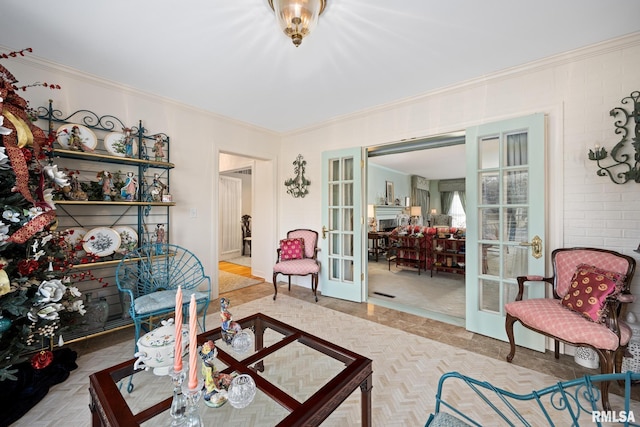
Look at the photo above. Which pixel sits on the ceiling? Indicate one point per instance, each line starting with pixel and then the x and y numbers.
pixel 229 56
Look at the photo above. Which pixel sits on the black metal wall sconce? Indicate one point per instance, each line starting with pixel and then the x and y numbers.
pixel 297 186
pixel 622 171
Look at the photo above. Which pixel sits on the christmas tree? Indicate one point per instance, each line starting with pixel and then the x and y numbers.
pixel 37 299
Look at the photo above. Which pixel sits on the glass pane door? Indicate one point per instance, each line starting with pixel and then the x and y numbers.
pixel 506 209
pixel 342 225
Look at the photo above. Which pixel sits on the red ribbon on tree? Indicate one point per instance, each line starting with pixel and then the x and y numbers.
pixel 32 227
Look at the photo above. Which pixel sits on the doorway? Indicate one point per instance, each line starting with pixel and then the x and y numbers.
pixel 235 201
pixel 440 296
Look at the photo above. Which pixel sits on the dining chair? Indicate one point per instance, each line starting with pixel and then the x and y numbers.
pixel 246 233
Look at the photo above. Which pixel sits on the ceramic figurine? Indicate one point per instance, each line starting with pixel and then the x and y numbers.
pixel 75 140
pixel 216 384
pixel 130 188
pixel 76 192
pixel 160 238
pixel 105 180
pixel 158 148
pixel 229 327
pixel 158 189
pixel 128 143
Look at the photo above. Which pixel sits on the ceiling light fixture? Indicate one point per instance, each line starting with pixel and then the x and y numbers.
pixel 297 17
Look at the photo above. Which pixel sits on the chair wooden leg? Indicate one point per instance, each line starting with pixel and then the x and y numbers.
pixel 289 283
pixel 509 321
pixel 275 286
pixel 606 367
pixel 314 285
pixel 619 355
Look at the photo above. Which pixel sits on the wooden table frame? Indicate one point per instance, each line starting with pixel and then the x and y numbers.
pixel 109 407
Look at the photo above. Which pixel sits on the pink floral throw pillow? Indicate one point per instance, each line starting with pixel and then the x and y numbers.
pixel 589 289
pixel 291 249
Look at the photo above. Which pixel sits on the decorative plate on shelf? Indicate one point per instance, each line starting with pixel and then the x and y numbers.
pixel 116 144
pixel 87 139
pixel 101 241
pixel 74 235
pixel 128 239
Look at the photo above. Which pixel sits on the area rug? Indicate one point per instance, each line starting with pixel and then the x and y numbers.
pixel 230 282
pixel 406 369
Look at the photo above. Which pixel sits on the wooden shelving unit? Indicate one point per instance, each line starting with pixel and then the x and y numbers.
pixel 448 254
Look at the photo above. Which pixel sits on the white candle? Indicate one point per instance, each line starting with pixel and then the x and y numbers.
pixel 177 358
pixel 193 343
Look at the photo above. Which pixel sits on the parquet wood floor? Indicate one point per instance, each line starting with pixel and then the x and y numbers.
pixel 240 270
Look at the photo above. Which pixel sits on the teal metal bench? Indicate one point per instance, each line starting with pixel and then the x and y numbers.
pixel 567 403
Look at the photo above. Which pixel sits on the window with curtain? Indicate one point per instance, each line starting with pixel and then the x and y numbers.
pixel 458 216
pixel 454 201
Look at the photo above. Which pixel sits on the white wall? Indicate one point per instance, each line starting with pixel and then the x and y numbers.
pixel 577 90
pixel 197 137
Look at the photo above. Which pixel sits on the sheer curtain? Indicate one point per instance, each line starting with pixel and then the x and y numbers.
pixel 420 194
pixel 463 200
pixel 517 149
pixel 446 197
pixel 230 202
pixel 447 188
pixel 516 219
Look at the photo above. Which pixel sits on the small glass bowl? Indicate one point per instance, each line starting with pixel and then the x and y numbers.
pixel 241 342
pixel 241 391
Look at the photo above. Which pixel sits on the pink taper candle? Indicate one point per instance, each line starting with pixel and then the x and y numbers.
pixel 177 357
pixel 193 343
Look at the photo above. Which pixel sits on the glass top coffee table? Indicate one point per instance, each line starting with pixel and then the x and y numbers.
pixel 301 379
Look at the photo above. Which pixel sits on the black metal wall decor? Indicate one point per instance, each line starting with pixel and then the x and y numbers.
pixel 297 186
pixel 622 171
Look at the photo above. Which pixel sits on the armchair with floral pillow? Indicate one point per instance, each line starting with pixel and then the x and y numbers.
pixel 298 256
pixel 590 292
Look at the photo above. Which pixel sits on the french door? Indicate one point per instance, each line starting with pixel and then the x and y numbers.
pixel 505 191
pixel 341 235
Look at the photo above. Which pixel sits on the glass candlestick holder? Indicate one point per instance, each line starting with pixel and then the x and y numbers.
pixel 193 395
pixel 179 402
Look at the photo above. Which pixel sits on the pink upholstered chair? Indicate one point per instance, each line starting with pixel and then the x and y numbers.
pixel 604 276
pixel 297 256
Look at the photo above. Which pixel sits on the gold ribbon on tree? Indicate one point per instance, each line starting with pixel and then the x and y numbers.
pixel 14 151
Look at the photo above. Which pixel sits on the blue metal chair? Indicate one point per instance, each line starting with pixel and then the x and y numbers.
pixel 148 279
pixel 561 404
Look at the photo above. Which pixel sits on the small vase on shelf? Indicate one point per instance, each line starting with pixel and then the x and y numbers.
pixel 97 312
